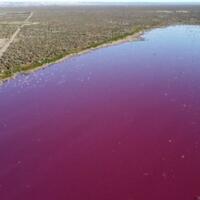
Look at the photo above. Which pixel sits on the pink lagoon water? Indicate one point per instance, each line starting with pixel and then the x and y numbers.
pixel 119 123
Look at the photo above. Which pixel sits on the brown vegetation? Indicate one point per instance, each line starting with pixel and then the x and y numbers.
pixel 53 32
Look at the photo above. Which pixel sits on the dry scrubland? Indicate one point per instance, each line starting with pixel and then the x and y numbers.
pixel 53 32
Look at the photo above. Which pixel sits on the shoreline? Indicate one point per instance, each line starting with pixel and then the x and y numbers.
pixel 137 36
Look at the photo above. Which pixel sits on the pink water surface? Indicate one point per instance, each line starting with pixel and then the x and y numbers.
pixel 120 123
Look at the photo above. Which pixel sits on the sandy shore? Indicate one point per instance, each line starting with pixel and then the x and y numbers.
pixel 135 37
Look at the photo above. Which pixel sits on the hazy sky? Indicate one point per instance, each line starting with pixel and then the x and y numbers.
pixel 74 1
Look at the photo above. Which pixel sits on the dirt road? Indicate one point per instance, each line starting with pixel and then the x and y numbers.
pixel 10 41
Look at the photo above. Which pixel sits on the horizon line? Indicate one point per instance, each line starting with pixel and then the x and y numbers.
pixel 32 3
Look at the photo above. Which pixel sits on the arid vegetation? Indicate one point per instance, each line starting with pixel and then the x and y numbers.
pixel 53 32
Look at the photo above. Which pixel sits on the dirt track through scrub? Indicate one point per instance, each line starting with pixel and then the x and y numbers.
pixel 10 41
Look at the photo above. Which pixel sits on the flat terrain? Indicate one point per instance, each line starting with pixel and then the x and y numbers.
pixel 32 36
pixel 12 39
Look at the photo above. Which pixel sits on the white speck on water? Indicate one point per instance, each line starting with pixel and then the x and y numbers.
pixel 38 140
pixel 182 156
pixel 113 150
pixel 3 124
pixel 175 77
pixel 165 94
pixel 163 158
pixel 164 175
pixel 19 162
pixel 170 140
pixel 146 174
pixel 27 186
pixel 119 143
pixel 194 123
pixel 196 145
pixel 185 106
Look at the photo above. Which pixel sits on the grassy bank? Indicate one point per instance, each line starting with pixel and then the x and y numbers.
pixel 8 74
